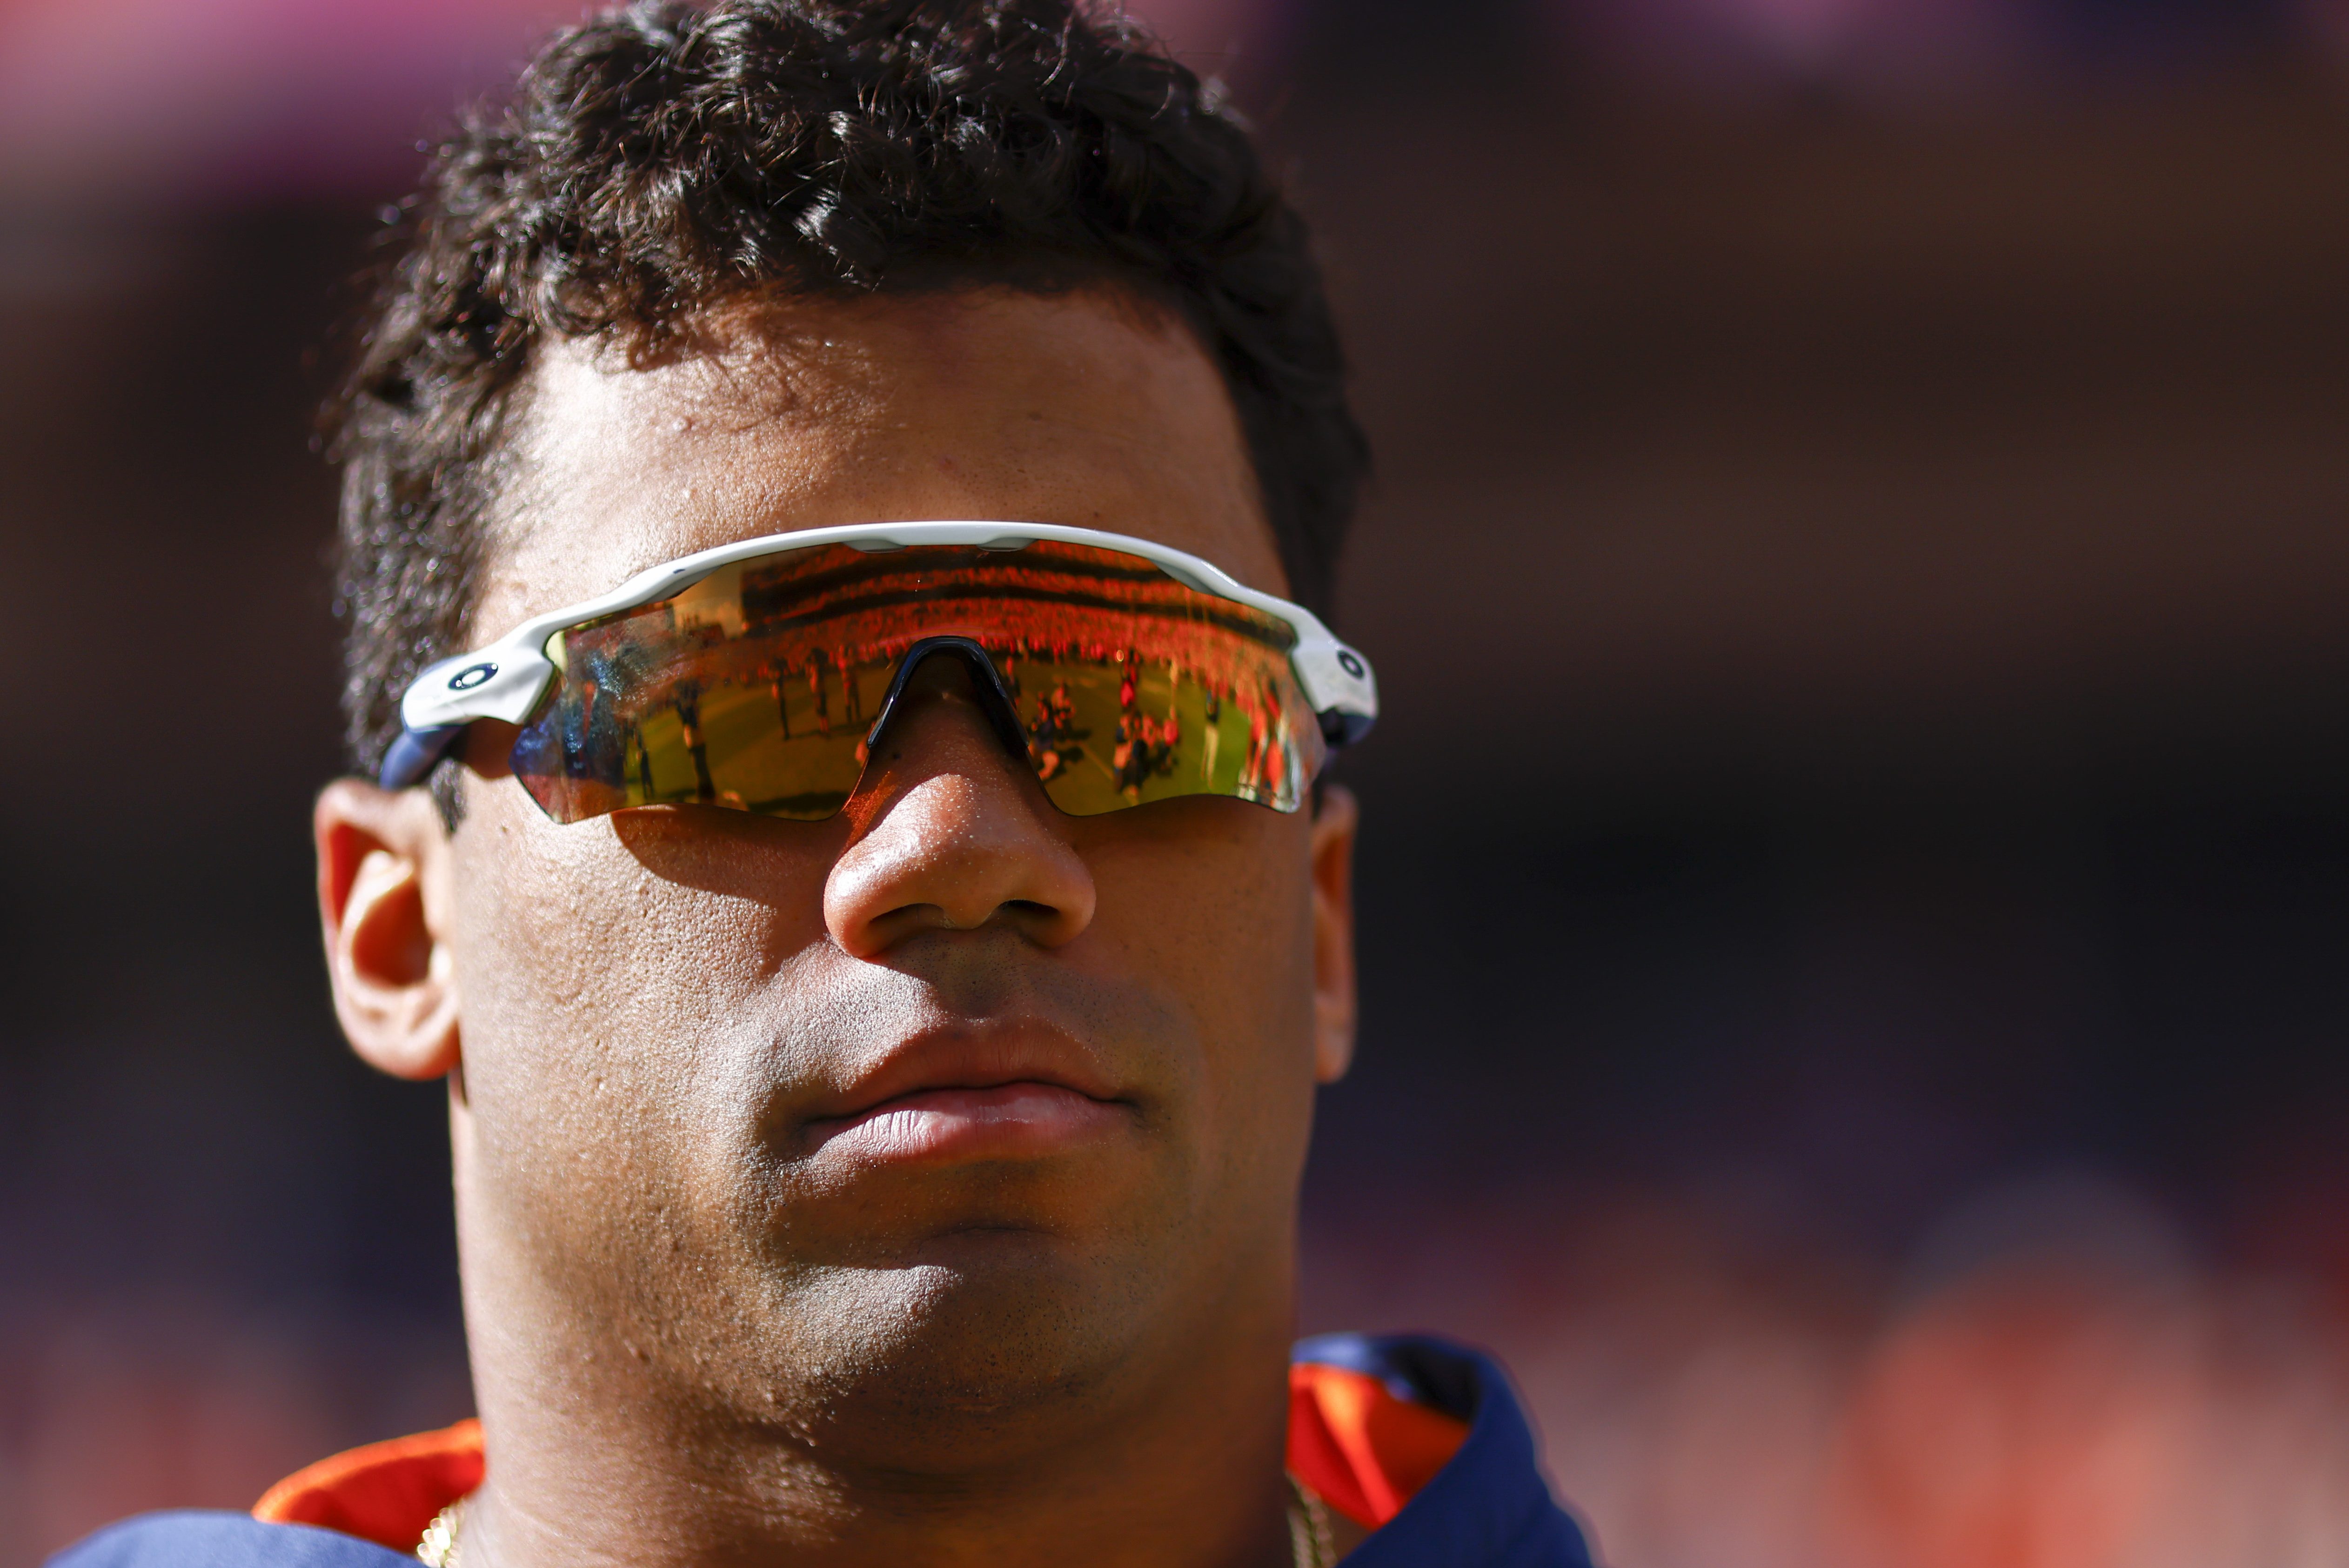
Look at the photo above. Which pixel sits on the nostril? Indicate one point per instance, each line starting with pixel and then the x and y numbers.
pixel 955 839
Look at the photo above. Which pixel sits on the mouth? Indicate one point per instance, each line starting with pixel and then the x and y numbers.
pixel 994 1093
pixel 1024 1118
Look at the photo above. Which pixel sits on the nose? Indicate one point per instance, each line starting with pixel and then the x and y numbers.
pixel 951 833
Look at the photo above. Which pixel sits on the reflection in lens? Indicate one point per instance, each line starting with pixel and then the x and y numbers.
pixel 1120 729
pixel 754 688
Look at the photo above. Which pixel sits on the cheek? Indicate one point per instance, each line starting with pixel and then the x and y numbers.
pixel 1217 909
pixel 597 965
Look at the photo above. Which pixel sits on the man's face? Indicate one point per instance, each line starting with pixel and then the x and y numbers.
pixel 953 1103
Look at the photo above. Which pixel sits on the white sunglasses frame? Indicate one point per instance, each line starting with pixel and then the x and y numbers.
pixel 506 678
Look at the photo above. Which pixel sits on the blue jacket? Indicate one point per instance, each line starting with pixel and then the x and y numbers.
pixel 1488 1507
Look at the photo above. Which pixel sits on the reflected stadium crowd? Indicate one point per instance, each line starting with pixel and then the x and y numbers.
pixel 759 686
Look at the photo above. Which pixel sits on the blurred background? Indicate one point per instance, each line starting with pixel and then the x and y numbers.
pixel 1870 1051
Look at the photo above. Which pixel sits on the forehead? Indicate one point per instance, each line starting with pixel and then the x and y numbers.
pixel 1087 409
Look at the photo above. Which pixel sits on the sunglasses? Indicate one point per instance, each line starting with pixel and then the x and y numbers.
pixel 759 676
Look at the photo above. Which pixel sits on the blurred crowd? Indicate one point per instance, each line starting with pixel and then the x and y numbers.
pixel 2060 1388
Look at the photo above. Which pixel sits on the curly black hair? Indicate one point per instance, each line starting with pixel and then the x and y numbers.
pixel 667 157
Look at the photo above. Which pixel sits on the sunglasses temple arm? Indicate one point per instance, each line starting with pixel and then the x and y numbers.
pixel 415 755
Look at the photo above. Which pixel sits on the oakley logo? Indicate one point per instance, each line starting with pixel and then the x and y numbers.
pixel 466 679
pixel 1348 663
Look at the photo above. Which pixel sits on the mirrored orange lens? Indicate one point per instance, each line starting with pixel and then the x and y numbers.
pixel 756 687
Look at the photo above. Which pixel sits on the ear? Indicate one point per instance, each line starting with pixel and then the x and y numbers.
pixel 383 881
pixel 1334 823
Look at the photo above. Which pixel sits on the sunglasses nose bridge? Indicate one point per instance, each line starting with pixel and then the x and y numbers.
pixel 985 679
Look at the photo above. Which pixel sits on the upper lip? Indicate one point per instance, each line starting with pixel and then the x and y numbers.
pixel 969 1058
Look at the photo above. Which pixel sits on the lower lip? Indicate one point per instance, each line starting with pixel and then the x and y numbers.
pixel 1009 1121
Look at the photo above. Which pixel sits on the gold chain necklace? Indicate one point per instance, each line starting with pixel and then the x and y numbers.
pixel 1310 1544
pixel 1310 1541
pixel 438 1547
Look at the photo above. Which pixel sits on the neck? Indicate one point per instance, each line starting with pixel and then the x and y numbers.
pixel 593 1463
pixel 1196 1484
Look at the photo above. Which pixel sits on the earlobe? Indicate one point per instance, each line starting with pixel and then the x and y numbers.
pixel 1334 825
pixel 382 902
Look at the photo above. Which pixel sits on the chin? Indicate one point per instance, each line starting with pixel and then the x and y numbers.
pixel 953 1359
